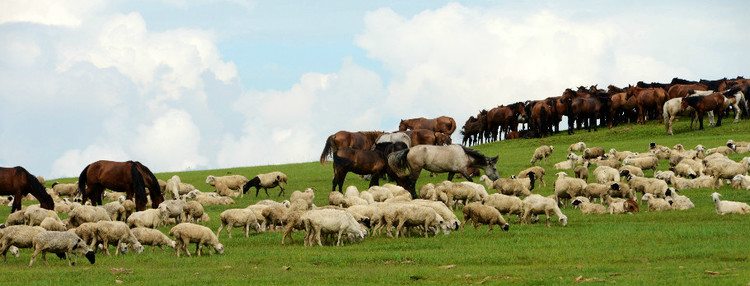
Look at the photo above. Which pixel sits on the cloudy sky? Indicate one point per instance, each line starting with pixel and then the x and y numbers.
pixel 186 85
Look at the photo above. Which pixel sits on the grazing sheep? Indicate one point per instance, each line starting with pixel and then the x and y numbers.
pixel 151 218
pixel 567 188
pixel 354 201
pixel 34 215
pixel 193 211
pixel 186 233
pixel 335 198
pixel 604 174
pixel 506 186
pixel 115 210
pixel 589 208
pixel 428 192
pixel 245 218
pixel 738 144
pixel 464 191
pixel 729 207
pixel 482 214
pixel 538 173
pixel 86 213
pixel 596 191
pixel 593 152
pixel 577 147
pixel 53 224
pixel 451 221
pixel 62 243
pixel 153 237
pixel 413 215
pixel 291 221
pixel 173 187
pixel 19 236
pixel 129 206
pixel 266 181
pixel 367 196
pixel 507 205
pixel 337 222
pixel 308 196
pixel 173 209
pixel 111 231
pixel 642 163
pixel 16 218
pixel 679 202
pixel 700 182
pixel 541 153
pixel 273 216
pixel 233 182
pixel 380 194
pixel 727 169
pixel 568 164
pixel 621 190
pixel 619 156
pixel 537 204
pixel 657 204
pixel 630 170
pixel 70 190
pixel 582 172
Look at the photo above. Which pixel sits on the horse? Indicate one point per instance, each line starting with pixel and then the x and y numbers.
pixel 682 90
pixel 539 112
pixel 701 104
pixel 443 124
pixel 673 109
pixel 393 138
pixel 440 159
pixel 586 108
pixel 504 118
pixel 648 99
pixel 363 162
pixel 363 140
pixel 427 137
pixel 473 129
pixel 18 182
pixel 622 107
pixel 130 177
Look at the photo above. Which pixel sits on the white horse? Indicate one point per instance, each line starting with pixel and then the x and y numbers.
pixel 672 110
pixel 393 138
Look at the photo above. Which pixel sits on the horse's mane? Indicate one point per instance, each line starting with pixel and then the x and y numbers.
pixel 732 92
pixel 37 189
pixel 372 134
pixel 692 100
pixel 712 84
pixel 147 173
pixel 474 153
pixel 678 80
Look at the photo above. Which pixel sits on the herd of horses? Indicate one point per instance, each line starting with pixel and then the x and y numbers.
pixel 592 107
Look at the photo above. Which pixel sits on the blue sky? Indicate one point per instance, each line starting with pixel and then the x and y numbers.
pixel 183 85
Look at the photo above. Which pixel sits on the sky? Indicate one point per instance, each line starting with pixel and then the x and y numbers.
pixel 191 85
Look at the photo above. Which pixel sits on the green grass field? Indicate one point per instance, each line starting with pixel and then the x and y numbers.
pixel 695 246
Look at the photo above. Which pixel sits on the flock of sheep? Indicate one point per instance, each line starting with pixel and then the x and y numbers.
pixel 617 186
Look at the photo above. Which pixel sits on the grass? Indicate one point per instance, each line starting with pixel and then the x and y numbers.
pixel 695 246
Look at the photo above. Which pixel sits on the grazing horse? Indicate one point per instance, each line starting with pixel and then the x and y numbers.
pixel 363 140
pixel 427 137
pixel 18 182
pixel 648 99
pixel 363 162
pixel 682 90
pixel 440 159
pixel 713 102
pixel 443 124
pixel 130 177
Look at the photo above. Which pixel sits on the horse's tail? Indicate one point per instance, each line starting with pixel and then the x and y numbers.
pixel 139 187
pixel 82 183
pixel 452 127
pixel 543 121
pixel 328 149
pixel 341 162
pixel 397 162
pixel 37 190
pixel 152 183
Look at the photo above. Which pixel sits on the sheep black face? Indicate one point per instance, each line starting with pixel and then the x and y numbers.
pixel 576 202
pixel 624 173
pixel 456 225
pixel 506 227
pixel 668 193
pixel 90 256
pixel 692 176
pixel 652 145
pixel 615 187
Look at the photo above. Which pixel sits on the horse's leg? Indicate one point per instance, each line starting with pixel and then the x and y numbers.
pixel 718 113
pixel 375 179
pixel 570 124
pixel 450 176
pixel 700 119
pixel 711 120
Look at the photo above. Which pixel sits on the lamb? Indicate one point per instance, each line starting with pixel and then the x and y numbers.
pixel 593 152
pixel 567 188
pixel 537 204
pixel 266 181
pixel 53 224
pixel 335 198
pixel 615 205
pixel 506 186
pixel 464 191
pixel 308 196
pixel 738 144
pixel 19 236
pixel 642 163
pixel 173 187
pixel 589 208
pixel 684 169
pixel 111 231
pixel 478 213
pixel 354 201
pixel 679 202
pixel 367 196
pixel 538 173
pixel 729 207
pixel 61 189
pixel 151 218
pixel 207 200
pixel 604 174
pixel 129 206
pixel 582 172
pixel 507 205
pixel 577 147
pixel 245 218
pixel 541 153
pixel 273 216
pixel 61 243
pixel 86 213
pixel 339 222
pixel 451 221
pixel 153 237
pixel 291 221
pixel 568 164
pixel 186 233
pixel 173 209
pixel 657 204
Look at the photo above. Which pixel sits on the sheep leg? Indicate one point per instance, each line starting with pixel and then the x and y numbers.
pixel 288 233
pixel 266 190
pixel 338 240
pixel 546 213
pixel 33 256
pixel 399 227
pixel 199 248
pixel 220 228
pixel 317 235
pixel 229 230
pixel 247 230
pixel 185 244
pixel 282 189
pixel 44 257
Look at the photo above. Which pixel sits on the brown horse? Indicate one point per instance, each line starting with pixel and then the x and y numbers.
pixel 18 182
pixel 427 137
pixel 648 100
pixel 622 108
pixel 443 124
pixel 364 162
pixel 504 118
pixel 473 130
pixel 681 90
pixel 702 104
pixel 130 177
pixel 586 111
pixel 363 140
pixel 539 111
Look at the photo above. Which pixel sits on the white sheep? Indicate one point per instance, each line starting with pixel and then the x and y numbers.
pixel 538 174
pixel 61 243
pixel 34 215
pixel 741 182
pixel 292 221
pixel 642 163
pixel 727 169
pixel 273 215
pixel 153 237
pixel 507 205
pixel 412 215
pixel 566 188
pixel 653 186
pixel 233 182
pixel 367 196
pixel 16 218
pixel 115 210
pixel 20 236
pixel 193 211
pixel 615 205
pixel 589 208
pixel 186 233
pixel 335 198
pixel 451 221
pixel 595 190
pixel 657 204
pixel 87 232
pixel 577 147
pixel 729 207
pixel 620 155
pixel 507 186
pixel 244 218
pixel 380 194
pixel 567 164
pixel 464 191
pixel 86 213
pixel 604 174
pixel 116 231
pixel 61 189
pixel 172 209
pixel 151 218
pixel 679 202
pixel 129 206
pixel 537 204
pixel 593 152
pixel 541 153
pixel 308 196
pixel 266 181
pixel 338 222
pixel 55 224
pixel 482 214
pixel 173 187
pixel 700 182
pixel 630 170
pixel 223 190
pixel 582 172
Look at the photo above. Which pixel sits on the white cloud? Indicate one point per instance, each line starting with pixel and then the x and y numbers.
pixel 53 13
pixel 73 161
pixel 169 143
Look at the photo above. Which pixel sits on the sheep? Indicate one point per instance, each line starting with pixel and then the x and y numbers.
pixel 595 190
pixel 577 147
pixel 112 196
pixel 593 152
pixel 193 211
pixel 567 188
pixel 642 163
pixel 19 236
pixel 627 170
pixel 538 173
pixel 727 170
pixel 151 218
pixel 589 208
pixel 266 181
pixel 53 224
pixel 741 182
pixel 621 190
pixel 506 186
pixel 631 206
pixel 291 221
pixel 541 153
pixel 604 174
pixel 245 218
pixel 413 215
pixel 273 216
pixel 620 155
pixel 478 213
pixel 16 218
pixel 653 186
pixel 738 144
pixel 61 189
pixel 582 172
pixel 214 200
pixel 354 201
pixel 615 205
pixel 223 190
pixel 729 207
pixel 62 243
pixel 115 210
pixel 537 204
pixel 450 219
pixel 567 164
pixel 527 182
pixel 86 213
pixel 700 182
pixel 351 191
pixel 111 231
pixel 367 196
pixel 186 233
pixel 129 206
pixel 308 196
pixel 173 187
pixel 87 231
pixel 657 204
pixel 34 215
pixel 153 237
pixel 380 194
pixel 507 205
pixel 679 202
pixel 684 169
pixel 339 222
pixel 464 191
pixel 173 209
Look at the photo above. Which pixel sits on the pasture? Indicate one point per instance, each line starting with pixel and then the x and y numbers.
pixel 695 246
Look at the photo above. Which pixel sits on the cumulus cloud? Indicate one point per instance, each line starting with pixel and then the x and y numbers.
pixel 53 13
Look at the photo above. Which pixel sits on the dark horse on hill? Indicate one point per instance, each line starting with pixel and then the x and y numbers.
pixel 130 177
pixel 18 182
pixel 364 162
pixel 363 140
pixel 702 104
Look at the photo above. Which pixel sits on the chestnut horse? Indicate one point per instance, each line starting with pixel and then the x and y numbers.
pixel 504 118
pixel 702 104
pixel 18 182
pixel 473 129
pixel 364 162
pixel 622 108
pixel 587 109
pixel 443 124
pixel 130 177
pixel 681 90
pixel 427 137
pixel 539 112
pixel 363 140
pixel 648 100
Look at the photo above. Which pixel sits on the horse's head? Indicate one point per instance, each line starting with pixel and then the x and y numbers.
pixel 490 169
pixel 403 125
pixel 684 104
pixel 442 139
pixel 568 95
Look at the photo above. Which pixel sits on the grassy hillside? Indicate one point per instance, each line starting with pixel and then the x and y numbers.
pixel 696 246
